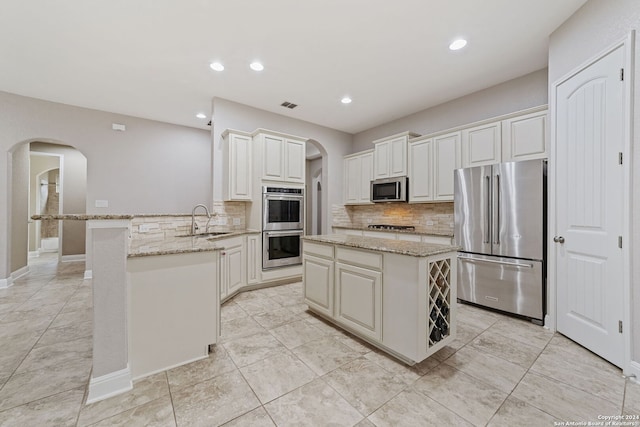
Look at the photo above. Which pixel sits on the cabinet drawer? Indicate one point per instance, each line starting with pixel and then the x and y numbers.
pixel 230 242
pixel 325 251
pixel 356 257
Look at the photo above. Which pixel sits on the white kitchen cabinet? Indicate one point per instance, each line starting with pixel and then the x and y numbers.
pixel 390 156
pixel 237 167
pixel 447 157
pixel 421 166
pixel 525 137
pixel 317 268
pixel 482 145
pixel 283 157
pixel 359 299
pixel 254 259
pixel 233 266
pixel 358 173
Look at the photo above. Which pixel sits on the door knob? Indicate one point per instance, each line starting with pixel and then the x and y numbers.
pixel 558 239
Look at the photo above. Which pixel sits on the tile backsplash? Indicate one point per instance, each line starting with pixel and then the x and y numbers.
pixel 426 217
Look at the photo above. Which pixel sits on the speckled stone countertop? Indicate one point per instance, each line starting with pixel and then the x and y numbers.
pixel 80 217
pixel 402 247
pixel 181 245
pixel 422 233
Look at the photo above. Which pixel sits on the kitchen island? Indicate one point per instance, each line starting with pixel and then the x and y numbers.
pixel 397 295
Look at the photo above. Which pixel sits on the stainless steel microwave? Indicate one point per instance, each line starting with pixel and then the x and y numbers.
pixel 390 189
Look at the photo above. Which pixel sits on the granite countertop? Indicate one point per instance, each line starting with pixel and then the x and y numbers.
pixel 181 245
pixel 80 217
pixel 422 233
pixel 402 247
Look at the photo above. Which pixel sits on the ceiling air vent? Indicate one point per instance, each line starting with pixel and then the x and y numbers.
pixel 289 105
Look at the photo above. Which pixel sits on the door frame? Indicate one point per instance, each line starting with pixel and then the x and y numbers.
pixel 628 46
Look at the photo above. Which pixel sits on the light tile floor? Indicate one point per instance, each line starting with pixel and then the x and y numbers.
pixel 279 365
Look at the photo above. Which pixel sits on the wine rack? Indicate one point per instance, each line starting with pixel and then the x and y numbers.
pixel 439 304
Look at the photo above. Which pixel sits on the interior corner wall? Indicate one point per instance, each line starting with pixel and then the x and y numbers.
pixel 37 165
pixel 19 207
pixel 73 182
pixel 595 27
pixel 232 115
pixel 524 92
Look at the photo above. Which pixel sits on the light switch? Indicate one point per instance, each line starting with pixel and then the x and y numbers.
pixel 429 222
pixel 102 203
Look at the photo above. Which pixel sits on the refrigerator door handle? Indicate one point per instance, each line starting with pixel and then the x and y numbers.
pixel 496 212
pixel 487 232
pixel 490 261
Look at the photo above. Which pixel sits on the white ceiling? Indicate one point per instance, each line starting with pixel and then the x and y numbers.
pixel 150 58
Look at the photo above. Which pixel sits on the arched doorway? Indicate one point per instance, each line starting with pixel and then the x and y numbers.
pixel 316 199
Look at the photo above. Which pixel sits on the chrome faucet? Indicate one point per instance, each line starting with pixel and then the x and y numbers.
pixel 194 225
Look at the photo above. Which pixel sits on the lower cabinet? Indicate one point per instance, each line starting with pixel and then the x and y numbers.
pixel 254 259
pixel 233 266
pixel 318 289
pixel 359 299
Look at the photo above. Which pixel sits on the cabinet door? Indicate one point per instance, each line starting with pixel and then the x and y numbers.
pixel 366 176
pixel 381 158
pixel 481 145
pixel 421 171
pixel 254 246
pixel 359 299
pixel 294 161
pixel 352 171
pixel 239 171
pixel 446 158
pixel 398 158
pixel 525 137
pixel 272 157
pixel 235 265
pixel 318 283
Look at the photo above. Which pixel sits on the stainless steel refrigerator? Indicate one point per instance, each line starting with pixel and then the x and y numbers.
pixel 500 223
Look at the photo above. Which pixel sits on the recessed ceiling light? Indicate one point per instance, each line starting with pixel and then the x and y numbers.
pixel 458 44
pixel 346 100
pixel 256 66
pixel 201 115
pixel 216 66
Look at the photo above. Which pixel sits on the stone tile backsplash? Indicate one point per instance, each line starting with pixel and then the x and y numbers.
pixel 225 216
pixel 426 217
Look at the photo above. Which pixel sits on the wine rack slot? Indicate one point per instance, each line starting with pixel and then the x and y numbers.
pixel 439 304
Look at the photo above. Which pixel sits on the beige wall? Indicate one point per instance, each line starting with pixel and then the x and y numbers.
pixel 73 182
pixel 592 29
pixel 514 95
pixel 152 167
pixel 19 169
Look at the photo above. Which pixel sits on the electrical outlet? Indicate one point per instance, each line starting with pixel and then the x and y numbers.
pixel 429 222
pixel 145 228
pixel 236 221
pixel 222 220
pixel 102 203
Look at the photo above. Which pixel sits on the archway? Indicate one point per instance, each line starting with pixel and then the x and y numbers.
pixel 316 201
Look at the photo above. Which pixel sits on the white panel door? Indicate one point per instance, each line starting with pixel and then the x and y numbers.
pixel 239 167
pixel 352 170
pixel 294 160
pixel 398 159
pixel 589 182
pixel 318 283
pixel 359 299
pixel 382 159
pixel 420 171
pixel 272 157
pixel 481 145
pixel 366 176
pixel 525 137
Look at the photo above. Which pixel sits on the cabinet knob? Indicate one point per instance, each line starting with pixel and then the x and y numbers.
pixel 558 239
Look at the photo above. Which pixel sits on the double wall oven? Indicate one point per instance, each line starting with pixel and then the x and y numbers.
pixel 282 226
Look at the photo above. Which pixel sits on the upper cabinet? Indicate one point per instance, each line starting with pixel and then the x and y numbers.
pixel 358 173
pixel 525 137
pixel 283 157
pixel 390 156
pixel 432 161
pixel 236 176
pixel 481 145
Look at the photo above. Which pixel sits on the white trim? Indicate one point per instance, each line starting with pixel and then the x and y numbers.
pixel 166 368
pixel 72 258
pixel 19 273
pixel 633 372
pixel 5 283
pixel 109 385
pixel 88 274
pixel 628 45
pixel 34 254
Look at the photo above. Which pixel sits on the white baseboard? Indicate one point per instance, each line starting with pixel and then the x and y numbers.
pixel 5 283
pixel 633 372
pixel 72 258
pixel 109 385
pixel 88 274
pixel 19 273
pixel 34 254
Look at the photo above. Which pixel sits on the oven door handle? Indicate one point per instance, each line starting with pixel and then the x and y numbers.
pixel 294 198
pixel 284 232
